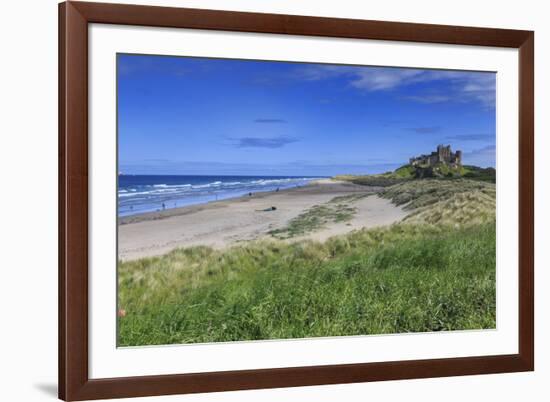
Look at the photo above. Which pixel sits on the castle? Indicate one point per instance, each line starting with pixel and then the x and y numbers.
pixel 442 155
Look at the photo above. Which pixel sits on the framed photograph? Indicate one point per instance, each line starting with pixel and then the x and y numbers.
pixel 259 200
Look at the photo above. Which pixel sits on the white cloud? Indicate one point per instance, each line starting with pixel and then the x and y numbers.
pixel 377 79
pixel 465 86
pixel 367 78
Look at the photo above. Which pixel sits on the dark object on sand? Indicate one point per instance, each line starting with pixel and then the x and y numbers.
pixel 267 209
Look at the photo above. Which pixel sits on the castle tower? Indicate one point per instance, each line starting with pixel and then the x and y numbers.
pixel 448 153
pixel 444 153
pixel 440 153
pixel 458 157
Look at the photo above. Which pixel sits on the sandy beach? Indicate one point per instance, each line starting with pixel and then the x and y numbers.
pixel 224 223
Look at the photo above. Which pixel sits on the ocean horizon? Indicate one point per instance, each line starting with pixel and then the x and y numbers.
pixel 148 193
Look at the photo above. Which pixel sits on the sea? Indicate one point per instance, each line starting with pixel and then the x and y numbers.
pixel 147 193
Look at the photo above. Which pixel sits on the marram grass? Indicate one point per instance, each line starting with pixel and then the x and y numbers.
pixel 336 210
pixel 404 278
pixel 445 202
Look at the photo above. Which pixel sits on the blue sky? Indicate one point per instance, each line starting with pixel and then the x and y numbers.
pixel 180 115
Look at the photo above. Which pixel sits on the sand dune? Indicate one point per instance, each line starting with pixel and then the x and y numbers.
pixel 225 223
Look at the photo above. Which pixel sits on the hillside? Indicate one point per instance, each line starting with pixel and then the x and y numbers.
pixel 460 202
pixel 408 172
pixel 405 278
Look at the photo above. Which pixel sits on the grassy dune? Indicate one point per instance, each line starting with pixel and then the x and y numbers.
pixel 336 210
pixel 448 202
pixel 434 271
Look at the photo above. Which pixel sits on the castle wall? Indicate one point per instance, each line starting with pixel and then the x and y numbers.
pixel 442 154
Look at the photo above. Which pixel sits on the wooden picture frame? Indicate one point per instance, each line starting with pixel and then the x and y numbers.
pixel 74 381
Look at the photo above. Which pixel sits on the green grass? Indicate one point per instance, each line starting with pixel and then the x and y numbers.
pixel 407 173
pixel 433 271
pixel 336 210
pixel 374 180
pixel 405 278
pixel 445 202
pixel 400 175
pixel 349 198
pixel 481 174
pixel 421 193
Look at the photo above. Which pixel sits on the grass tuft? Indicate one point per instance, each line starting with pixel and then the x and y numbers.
pixel 336 210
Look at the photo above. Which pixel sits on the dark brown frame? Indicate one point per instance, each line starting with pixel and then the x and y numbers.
pixel 74 383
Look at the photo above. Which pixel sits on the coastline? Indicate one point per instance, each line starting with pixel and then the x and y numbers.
pixel 139 194
pixel 224 223
pixel 191 208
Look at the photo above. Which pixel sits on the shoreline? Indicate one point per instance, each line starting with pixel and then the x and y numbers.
pixel 220 224
pixel 175 195
pixel 191 208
